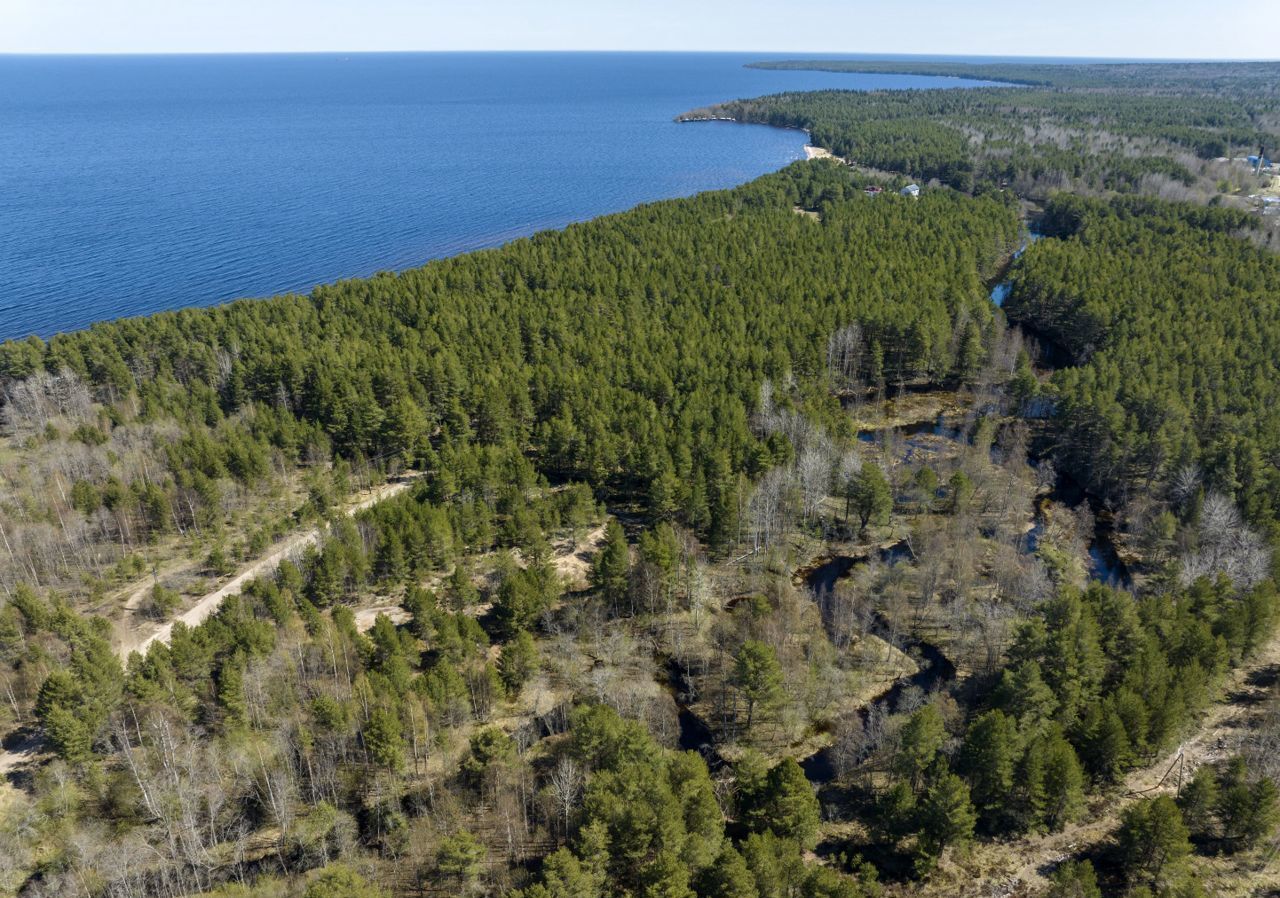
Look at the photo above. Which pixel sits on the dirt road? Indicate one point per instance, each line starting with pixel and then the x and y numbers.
pixel 140 638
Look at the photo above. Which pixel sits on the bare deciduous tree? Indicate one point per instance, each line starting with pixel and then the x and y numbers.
pixel 565 783
pixel 1225 545
pixel 844 356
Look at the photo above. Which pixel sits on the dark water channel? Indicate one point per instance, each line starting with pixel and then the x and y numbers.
pixel 1104 561
pixel 935 669
pixel 695 734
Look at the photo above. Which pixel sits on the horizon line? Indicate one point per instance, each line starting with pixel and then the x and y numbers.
pixel 777 55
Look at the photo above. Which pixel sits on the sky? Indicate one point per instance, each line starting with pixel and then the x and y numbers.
pixel 1172 29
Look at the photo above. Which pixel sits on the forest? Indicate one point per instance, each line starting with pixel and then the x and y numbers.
pixel 1254 79
pixel 1165 130
pixel 1158 384
pixel 737 546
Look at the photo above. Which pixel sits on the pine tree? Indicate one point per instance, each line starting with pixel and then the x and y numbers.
pixel 611 570
pixel 406 431
pixel 870 496
pixel 518 662
pixel 1074 879
pixel 522 598
pixel 231 692
pixel 722 504
pixel 970 355
pixel 1248 810
pixel 1025 386
pixel 1110 752
pixel 896 812
pixel 1153 844
pixel 340 881
pixel 960 488
pixel 460 857
pixel 462 591
pixel 1024 695
pixel 69 733
pixel 919 742
pixel 946 816
pixel 389 559
pixel 1063 782
pixel 1198 801
pixel 564 876
pixel 776 864
pixel 384 739
pixel 788 806
pixel 699 809
pixel 758 676
pixel 728 877
pixel 665 491
pixel 988 759
pixel 1030 798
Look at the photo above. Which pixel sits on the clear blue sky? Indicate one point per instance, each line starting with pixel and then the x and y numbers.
pixel 1098 28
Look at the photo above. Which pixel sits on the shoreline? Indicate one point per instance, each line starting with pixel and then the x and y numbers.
pixel 516 234
pixel 245 273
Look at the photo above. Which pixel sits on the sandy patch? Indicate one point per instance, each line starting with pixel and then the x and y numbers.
pixel 365 617
pixel 572 560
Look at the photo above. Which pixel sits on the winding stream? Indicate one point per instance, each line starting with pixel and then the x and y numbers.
pixel 935 669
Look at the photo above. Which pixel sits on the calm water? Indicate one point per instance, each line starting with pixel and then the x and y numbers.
pixel 134 184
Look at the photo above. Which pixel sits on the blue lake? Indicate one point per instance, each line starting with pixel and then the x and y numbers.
pixel 134 184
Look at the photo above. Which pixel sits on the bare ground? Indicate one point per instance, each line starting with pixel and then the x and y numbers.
pixel 139 635
pixel 366 617
pixel 572 560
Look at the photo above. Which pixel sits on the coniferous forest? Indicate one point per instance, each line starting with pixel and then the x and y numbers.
pixel 811 539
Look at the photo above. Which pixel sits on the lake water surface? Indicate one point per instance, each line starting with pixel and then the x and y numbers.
pixel 134 184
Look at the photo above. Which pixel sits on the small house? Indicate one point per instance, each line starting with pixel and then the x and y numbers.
pixel 912 190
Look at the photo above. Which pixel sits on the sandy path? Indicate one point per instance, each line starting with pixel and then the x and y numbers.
pixel 139 639
pixel 134 600
pixel 1022 865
